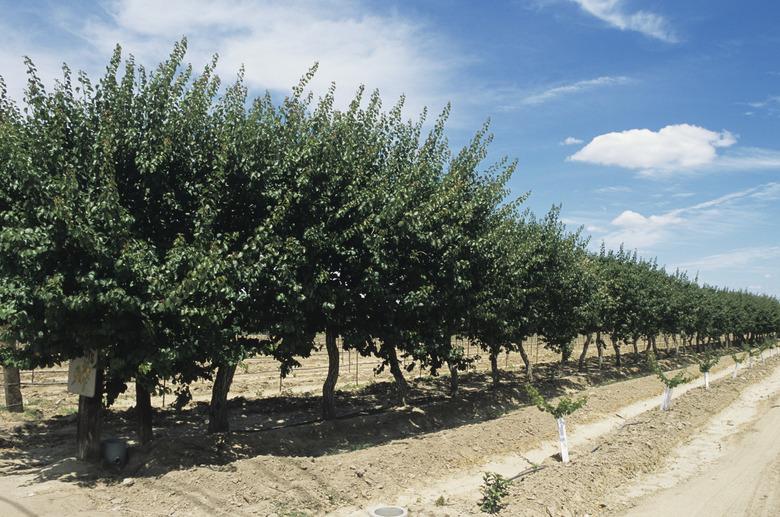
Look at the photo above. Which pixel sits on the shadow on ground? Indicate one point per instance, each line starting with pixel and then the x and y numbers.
pixel 288 425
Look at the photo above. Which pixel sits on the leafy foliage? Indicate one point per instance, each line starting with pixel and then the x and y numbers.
pixel 670 382
pixel 707 361
pixel 494 488
pixel 566 406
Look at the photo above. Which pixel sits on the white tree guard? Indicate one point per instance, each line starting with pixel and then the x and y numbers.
pixel 562 439
pixel 666 401
pixel 736 367
pixel 706 380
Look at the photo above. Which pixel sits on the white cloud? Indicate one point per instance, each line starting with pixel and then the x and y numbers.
pixel 570 140
pixel 735 259
pixel 613 189
pixel 674 147
pixel 770 102
pixel 278 41
pixel 635 230
pixel 613 12
pixel 747 158
pixel 572 88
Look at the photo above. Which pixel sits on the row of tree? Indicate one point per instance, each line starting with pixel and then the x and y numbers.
pixel 177 227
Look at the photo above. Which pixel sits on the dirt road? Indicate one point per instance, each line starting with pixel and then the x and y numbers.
pixel 742 480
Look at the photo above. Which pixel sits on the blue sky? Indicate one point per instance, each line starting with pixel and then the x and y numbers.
pixel 654 123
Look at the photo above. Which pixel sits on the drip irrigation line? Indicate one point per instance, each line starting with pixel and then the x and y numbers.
pixel 528 471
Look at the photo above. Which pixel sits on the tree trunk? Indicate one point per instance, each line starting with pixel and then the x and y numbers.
pixel 88 422
pixel 453 378
pixel 529 369
pixel 566 351
pixel 329 387
pixel 636 348
pixel 218 410
pixel 600 346
pixel 583 355
pixel 398 375
pixel 13 389
pixel 653 345
pixel 143 413
pixel 494 367
pixel 616 347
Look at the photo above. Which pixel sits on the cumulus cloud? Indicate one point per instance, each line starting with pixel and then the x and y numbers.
pixel 680 146
pixel 572 88
pixel 570 140
pixel 614 13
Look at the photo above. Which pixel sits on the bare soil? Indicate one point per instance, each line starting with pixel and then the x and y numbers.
pixel 281 460
pixel 597 479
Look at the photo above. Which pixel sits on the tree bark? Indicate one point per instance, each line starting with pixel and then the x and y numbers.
pixel 89 422
pixel 453 378
pixel 143 413
pixel 636 348
pixel 219 421
pixel 329 387
pixel 494 368
pixel 566 351
pixel 398 375
pixel 616 347
pixel 13 389
pixel 529 369
pixel 600 346
pixel 584 354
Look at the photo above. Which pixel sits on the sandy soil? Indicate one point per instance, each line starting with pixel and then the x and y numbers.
pixel 634 459
pixel 45 395
pixel 731 468
pixel 396 454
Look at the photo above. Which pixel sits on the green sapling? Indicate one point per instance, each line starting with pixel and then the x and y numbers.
pixel 706 362
pixel 669 382
pixel 737 361
pixel 566 406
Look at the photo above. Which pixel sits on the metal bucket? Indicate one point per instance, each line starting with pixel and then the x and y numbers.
pixel 114 452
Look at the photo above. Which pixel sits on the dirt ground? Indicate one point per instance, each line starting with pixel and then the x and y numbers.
pixel 731 467
pixel 45 394
pixel 277 462
pixel 742 482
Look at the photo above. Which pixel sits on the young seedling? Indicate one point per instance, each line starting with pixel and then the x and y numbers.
pixel 737 361
pixel 669 382
pixel 750 353
pixel 565 407
pixel 765 346
pixel 705 365
pixel 494 488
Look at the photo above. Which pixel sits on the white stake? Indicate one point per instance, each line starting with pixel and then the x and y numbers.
pixel 562 439
pixel 706 380
pixel 736 367
pixel 666 402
